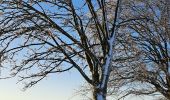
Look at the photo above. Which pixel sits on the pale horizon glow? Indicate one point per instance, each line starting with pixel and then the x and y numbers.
pixel 56 87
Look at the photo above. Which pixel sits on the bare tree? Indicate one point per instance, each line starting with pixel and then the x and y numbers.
pixel 148 24
pixel 41 37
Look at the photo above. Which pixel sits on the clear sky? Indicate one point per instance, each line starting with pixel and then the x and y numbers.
pixel 56 87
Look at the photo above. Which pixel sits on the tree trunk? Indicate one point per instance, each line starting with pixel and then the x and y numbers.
pixel 99 94
pixel 167 95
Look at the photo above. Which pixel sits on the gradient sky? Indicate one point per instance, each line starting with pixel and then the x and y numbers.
pixel 55 87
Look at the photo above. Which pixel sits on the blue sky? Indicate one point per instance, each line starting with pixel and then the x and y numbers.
pixel 55 87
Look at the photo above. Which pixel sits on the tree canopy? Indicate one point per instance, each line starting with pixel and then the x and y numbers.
pixel 111 43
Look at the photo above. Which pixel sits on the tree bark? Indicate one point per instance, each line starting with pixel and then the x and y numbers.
pixel 99 94
pixel 167 95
